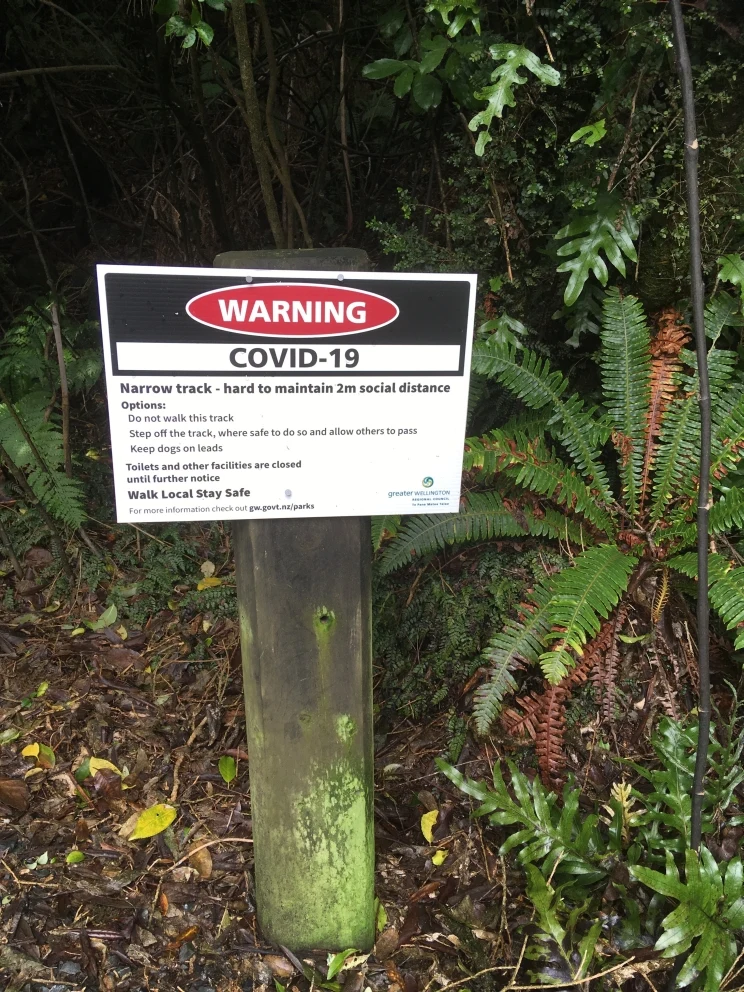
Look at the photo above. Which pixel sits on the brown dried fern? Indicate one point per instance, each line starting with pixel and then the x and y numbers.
pixel 543 714
pixel 605 671
pixel 670 339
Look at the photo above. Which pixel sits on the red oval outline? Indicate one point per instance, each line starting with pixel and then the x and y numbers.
pixel 318 285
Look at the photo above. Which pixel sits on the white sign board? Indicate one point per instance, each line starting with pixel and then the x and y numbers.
pixel 250 393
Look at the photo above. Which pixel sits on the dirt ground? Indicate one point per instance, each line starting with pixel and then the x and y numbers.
pixel 175 912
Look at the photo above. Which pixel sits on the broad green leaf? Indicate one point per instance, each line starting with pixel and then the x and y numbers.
pixel 177 26
pixel 205 32
pixel 608 228
pixel 109 615
pixel 433 57
pixel 75 857
pixel 382 68
pixel 337 961
pixel 403 82
pixel 426 91
pixel 381 916
pixel 228 768
pixel 504 78
pixel 732 270
pixel 591 134
pixel 153 821
pixel 189 38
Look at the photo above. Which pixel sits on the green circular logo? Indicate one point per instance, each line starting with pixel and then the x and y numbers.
pixel 428 482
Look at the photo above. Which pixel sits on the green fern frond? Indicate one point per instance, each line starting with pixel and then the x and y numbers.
pixel 382 527
pixel 579 429
pixel 62 497
pixel 520 641
pixel 726 588
pixel 484 517
pixel 533 466
pixel 626 377
pixel 722 311
pixel 728 442
pixel 582 597
pixel 679 444
pixel 725 514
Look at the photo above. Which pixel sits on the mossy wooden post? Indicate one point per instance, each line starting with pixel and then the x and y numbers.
pixel 304 603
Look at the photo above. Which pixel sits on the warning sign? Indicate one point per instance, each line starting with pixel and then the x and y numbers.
pixel 242 393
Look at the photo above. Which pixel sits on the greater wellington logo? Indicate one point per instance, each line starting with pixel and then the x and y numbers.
pixel 292 310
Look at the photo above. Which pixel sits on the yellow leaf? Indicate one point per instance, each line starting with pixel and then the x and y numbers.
pixel 208 583
pixel 30 751
pixel 77 632
pixel 96 764
pixel 439 857
pixel 122 632
pixel 427 824
pixel 153 821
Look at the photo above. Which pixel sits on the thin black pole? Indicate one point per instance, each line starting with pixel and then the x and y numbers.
pixel 698 319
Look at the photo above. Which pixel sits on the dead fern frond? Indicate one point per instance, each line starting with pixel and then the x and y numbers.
pixel 661 596
pixel 670 339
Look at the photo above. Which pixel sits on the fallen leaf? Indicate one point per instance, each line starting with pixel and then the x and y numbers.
pixel 207 569
pixel 97 764
pixel 9 734
pixel 201 860
pixel 387 942
pixel 108 784
pixel 163 904
pixel 43 756
pixel 182 938
pixel 228 768
pixel 439 857
pixel 14 793
pixel 208 583
pixel 427 824
pixel 336 962
pixel 153 821
pixel 280 967
pixel 75 857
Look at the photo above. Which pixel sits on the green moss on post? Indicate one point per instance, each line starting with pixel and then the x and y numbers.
pixel 304 600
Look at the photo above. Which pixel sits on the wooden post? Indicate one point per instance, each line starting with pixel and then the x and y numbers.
pixel 304 596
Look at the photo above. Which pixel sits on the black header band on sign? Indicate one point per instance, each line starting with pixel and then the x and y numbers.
pixel 151 308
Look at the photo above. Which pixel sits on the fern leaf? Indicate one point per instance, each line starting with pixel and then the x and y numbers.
pixel 484 517
pixel 533 466
pixel 607 227
pixel 726 588
pixel 582 597
pixel 520 641
pixel 727 447
pixel 678 452
pixel 665 370
pixel 62 497
pixel 727 512
pixel 531 379
pixel 383 527
pixel 626 377
pixel 722 311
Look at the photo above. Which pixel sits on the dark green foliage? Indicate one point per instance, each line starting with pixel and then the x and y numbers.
pixel 428 649
pixel 569 854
